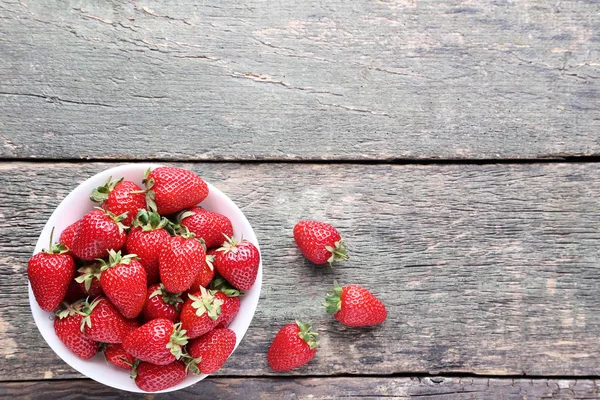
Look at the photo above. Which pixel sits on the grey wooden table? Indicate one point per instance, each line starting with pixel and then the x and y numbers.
pixel 454 143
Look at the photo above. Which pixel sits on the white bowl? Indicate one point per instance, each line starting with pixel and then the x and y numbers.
pixel 75 206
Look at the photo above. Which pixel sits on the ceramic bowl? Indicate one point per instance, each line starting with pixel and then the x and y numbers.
pixel 75 206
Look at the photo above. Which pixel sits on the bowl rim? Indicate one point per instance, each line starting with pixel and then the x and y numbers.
pixel 251 296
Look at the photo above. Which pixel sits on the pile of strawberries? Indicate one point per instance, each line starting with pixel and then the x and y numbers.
pixel 148 278
pixel 352 305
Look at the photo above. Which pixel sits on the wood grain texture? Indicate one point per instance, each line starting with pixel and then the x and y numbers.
pixel 487 269
pixel 258 79
pixel 438 388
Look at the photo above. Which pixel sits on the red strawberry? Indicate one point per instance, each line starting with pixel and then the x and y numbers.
pixel 206 275
pixel 293 346
pixel 208 225
pixel 212 350
pixel 97 233
pixel 67 326
pixel 238 263
pixel 179 261
pixel 74 293
pixel 231 304
pixel 319 242
pixel 120 197
pixel 200 312
pixel 161 304
pixel 50 274
pixel 89 281
pixel 116 355
pixel 123 281
pixel 68 234
pixel 158 342
pixel 146 239
pixel 152 378
pixel 353 305
pixel 102 322
pixel 171 190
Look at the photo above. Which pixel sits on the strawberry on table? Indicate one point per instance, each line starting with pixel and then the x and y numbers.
pixel 208 225
pixel 152 378
pixel 170 189
pixel 319 242
pixel 67 326
pixel 201 311
pixel 211 350
pixel 120 197
pixel 159 342
pixel 50 273
pixel 180 260
pixel 162 304
pixel 117 356
pixel 294 346
pixel 123 280
pixel 238 263
pixel 145 239
pixel 102 322
pixel 354 305
pixel 98 232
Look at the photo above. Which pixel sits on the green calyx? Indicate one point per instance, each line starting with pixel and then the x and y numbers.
pixel 209 261
pixel 230 244
pixel 333 301
pixel 338 253
pixel 150 195
pixel 88 274
pixel 169 298
pixel 306 334
pixel 207 303
pixel 183 215
pixel 220 284
pixel 116 218
pixel 177 341
pixel 115 258
pixel 134 369
pixel 67 310
pixel 54 248
pixel 191 363
pixel 100 194
pixel 149 220
pixel 86 310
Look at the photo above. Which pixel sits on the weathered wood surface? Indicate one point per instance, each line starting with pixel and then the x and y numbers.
pixel 257 79
pixel 438 388
pixel 488 269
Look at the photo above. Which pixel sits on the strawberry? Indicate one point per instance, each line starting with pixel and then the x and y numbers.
pixel 208 225
pixel 206 275
pixel 170 190
pixel 230 306
pixel 116 355
pixel 211 350
pixel 74 293
pixel 179 262
pixel 238 263
pixel 161 304
pixel 200 312
pixel 68 234
pixel 145 239
pixel 50 274
pixel 98 232
pixel 120 197
pixel 152 378
pixel 89 281
pixel 293 346
pixel 353 305
pixel 319 242
pixel 123 280
pixel 159 342
pixel 67 326
pixel 102 322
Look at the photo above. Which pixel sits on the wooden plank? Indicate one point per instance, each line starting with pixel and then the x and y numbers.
pixel 438 388
pixel 487 269
pixel 299 80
